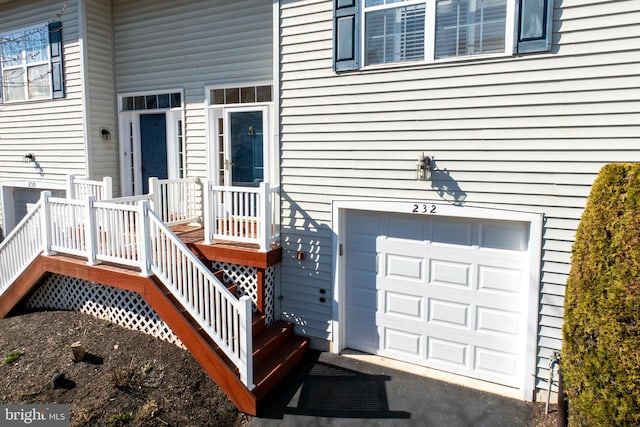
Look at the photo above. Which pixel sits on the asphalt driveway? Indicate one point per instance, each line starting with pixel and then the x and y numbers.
pixel 330 390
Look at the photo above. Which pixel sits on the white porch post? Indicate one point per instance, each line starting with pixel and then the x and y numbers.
pixel 264 217
pixel 154 194
pixel 71 191
pixel 246 342
pixel 144 242
pixel 46 223
pixel 208 212
pixel 90 230
pixel 107 188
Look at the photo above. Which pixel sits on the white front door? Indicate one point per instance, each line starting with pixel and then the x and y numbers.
pixel 442 292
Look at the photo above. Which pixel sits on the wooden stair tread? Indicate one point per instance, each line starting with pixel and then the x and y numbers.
pixel 274 368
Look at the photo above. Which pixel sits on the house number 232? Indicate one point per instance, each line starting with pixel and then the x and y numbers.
pixel 424 209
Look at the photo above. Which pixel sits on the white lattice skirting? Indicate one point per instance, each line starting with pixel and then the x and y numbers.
pixel 246 278
pixel 124 308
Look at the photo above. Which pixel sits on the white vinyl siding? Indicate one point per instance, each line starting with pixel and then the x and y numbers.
pixel 50 129
pixel 526 133
pixel 101 93
pixel 190 45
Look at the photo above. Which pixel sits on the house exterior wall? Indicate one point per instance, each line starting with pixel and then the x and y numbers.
pixel 100 89
pixel 526 133
pixel 53 129
pixel 188 46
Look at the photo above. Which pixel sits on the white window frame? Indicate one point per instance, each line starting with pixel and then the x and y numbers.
pixel 430 31
pixel 129 132
pixel 25 65
pixel 217 111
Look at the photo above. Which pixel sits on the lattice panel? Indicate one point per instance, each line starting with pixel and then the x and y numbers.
pixel 124 308
pixel 246 278
pixel 269 293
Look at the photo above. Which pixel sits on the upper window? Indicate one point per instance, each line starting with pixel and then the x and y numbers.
pixel 372 32
pixel 31 63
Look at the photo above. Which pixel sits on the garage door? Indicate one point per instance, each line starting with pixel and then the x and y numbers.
pixel 442 292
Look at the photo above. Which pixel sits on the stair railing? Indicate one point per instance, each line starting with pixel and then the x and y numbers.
pixel 225 318
pixel 20 247
pixel 134 235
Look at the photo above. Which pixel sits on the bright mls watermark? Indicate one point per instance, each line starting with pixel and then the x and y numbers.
pixel 53 415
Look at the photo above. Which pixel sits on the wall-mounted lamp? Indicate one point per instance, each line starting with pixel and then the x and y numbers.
pixel 423 168
pixel 105 134
pixel 29 158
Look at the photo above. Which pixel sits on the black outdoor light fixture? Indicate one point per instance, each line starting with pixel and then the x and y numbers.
pixel 29 158
pixel 105 134
pixel 423 168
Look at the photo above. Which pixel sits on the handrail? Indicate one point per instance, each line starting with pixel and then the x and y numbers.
pixel 135 236
pixel 20 247
pixel 226 319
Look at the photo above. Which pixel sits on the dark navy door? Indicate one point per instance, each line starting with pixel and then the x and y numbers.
pixel 153 145
pixel 247 165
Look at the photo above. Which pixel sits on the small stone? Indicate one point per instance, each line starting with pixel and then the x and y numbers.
pixel 57 379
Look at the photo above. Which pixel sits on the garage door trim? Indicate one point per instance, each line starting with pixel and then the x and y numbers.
pixel 535 221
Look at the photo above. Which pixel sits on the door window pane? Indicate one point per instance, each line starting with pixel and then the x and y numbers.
pixel 247 167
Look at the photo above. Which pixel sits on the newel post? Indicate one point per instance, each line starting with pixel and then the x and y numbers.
pixel 246 341
pixel 46 223
pixel 144 242
pixel 90 230
pixel 71 190
pixel 207 211
pixel 154 194
pixel 264 220
pixel 107 188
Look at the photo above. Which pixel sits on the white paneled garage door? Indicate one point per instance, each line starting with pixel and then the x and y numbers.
pixel 443 292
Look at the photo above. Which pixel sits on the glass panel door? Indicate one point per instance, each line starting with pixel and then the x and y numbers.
pixel 245 152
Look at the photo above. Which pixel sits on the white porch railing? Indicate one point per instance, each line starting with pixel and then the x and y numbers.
pixel 176 201
pixel 81 188
pixel 135 236
pixel 20 247
pixel 240 214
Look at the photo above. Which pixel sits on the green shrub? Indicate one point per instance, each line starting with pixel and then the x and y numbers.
pixel 601 332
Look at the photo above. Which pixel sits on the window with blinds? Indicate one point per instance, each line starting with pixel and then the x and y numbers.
pixel 428 30
pixel 470 27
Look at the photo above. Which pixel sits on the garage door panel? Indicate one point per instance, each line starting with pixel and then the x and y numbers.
pixel 492 362
pixel 450 314
pixel 403 306
pixel 492 321
pixel 448 352
pixel 449 273
pixel 500 279
pixel 405 267
pixel 402 342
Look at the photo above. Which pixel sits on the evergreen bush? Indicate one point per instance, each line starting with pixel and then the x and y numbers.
pixel 601 332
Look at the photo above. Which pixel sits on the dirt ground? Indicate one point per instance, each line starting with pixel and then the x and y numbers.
pixel 126 379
